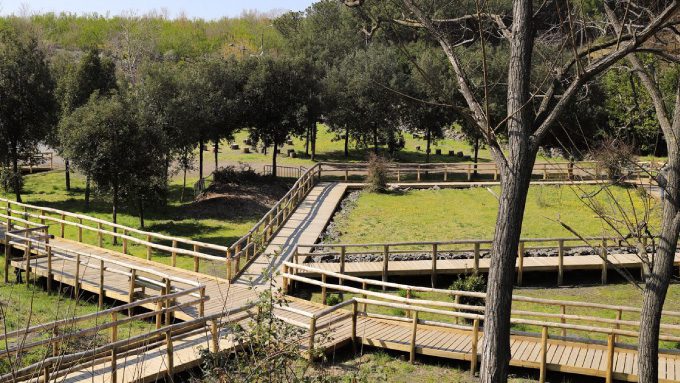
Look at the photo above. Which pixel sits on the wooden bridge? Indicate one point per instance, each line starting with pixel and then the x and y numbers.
pixel 193 290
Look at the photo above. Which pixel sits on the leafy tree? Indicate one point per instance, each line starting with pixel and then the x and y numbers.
pixel 93 74
pixel 275 97
pixel 104 140
pixel 27 107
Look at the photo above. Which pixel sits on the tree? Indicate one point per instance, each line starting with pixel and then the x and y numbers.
pixel 27 105
pixel 104 140
pixel 528 119
pixel 92 74
pixel 275 96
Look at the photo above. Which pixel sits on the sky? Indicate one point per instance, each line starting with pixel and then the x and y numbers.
pixel 212 9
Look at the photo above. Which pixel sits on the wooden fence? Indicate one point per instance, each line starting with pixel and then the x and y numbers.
pixel 285 171
pixel 59 362
pixel 470 246
pixel 37 161
pixel 58 221
pixel 540 318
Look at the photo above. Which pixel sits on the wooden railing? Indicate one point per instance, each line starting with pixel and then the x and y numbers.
pixel 415 172
pixel 474 246
pixel 248 247
pixel 34 242
pixel 42 158
pixel 603 320
pixel 78 225
pixel 285 171
pixel 118 348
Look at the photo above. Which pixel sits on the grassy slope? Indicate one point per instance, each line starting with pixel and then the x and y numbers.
pixel 448 214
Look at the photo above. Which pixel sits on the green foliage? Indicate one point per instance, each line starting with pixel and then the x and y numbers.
pixel 376 179
pixel 472 283
pixel 333 299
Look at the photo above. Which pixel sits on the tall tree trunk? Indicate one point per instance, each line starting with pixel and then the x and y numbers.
pixel 217 150
pixel 375 139
pixel 314 130
pixel 659 277
pixel 115 212
pixel 87 193
pixel 67 173
pixel 200 158
pixel 309 132
pixel 16 183
pixel 346 142
pixel 184 185
pixel 515 178
pixel 476 156
pixel 141 212
pixel 275 150
pixel 428 149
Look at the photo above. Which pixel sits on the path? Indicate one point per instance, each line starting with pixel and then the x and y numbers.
pixel 305 226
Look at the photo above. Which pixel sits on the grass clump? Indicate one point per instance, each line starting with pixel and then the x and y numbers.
pixel 378 170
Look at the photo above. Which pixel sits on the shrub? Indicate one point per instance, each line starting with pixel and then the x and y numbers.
pixel 376 181
pixel 333 300
pixel 236 174
pixel 613 157
pixel 473 283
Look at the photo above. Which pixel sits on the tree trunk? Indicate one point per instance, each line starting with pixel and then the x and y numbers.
pixel 16 184
pixel 217 150
pixel 659 277
pixel 141 212
pixel 67 173
pixel 184 185
pixel 346 141
pixel 515 178
pixel 314 129
pixel 200 159
pixel 375 139
pixel 87 193
pixel 427 150
pixel 115 213
pixel 476 157
pixel 309 129
pixel 274 153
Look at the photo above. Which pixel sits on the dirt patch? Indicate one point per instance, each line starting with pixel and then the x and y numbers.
pixel 238 201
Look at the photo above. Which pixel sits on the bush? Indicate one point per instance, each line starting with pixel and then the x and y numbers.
pixel 236 174
pixel 376 181
pixel 614 157
pixel 473 283
pixel 8 180
pixel 333 300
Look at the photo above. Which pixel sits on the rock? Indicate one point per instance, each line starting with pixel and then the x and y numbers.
pixel 438 152
pixel 459 154
pixel 452 153
pixel 246 150
pixel 234 147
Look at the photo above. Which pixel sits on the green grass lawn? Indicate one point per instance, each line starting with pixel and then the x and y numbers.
pixel 449 214
pixel 28 305
pixel 188 220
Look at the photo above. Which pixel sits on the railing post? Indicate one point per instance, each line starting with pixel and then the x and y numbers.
pixel 131 292
pixel 446 173
pixel 495 172
pixel 114 365
pixel 343 254
pixel 520 266
pixel 63 225
pixel 418 174
pixel 201 303
pixel 8 254
pixel 544 354
pixel 173 256
pixel 114 327
pixel 408 296
pixel 148 247
pixel 27 253
pixel 125 242
pixel 603 253
pixel 386 260
pixel 469 172
pixel 101 284
pixel 159 312
pixel 434 265
pixel 398 174
pixel 611 344
pixel 197 261
pixel 50 276
pixel 80 230
pixel 99 234
pixel 168 302
pixel 364 286
pixel 323 289
pixel 475 267
pixel 563 311
pixel 475 342
pixel 414 331
pixel 312 333
pixel 456 300
pixel 228 264
pixel 169 355
pixel 354 324
pixel 42 217
pixel 560 265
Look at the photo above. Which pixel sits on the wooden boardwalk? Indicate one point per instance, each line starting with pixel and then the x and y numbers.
pixel 305 225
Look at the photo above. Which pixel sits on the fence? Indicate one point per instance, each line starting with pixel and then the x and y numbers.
pixel 461 247
pixel 38 159
pixel 285 171
pixel 154 243
pixel 543 319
